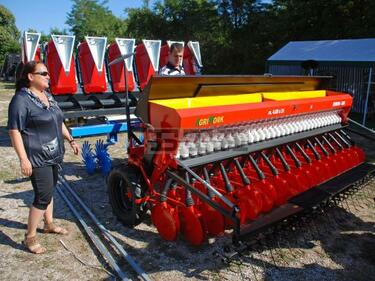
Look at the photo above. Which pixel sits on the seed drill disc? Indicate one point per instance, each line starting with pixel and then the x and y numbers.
pixel 253 209
pixel 267 202
pixel 164 221
pixel 191 226
pixel 282 190
pixel 213 221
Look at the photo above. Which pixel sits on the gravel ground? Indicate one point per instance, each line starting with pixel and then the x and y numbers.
pixel 338 245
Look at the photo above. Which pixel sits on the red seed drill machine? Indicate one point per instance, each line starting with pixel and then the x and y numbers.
pixel 234 154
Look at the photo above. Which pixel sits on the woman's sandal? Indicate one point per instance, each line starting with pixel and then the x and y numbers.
pixel 52 228
pixel 32 244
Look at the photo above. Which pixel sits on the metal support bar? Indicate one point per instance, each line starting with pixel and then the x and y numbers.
pixel 105 232
pixel 99 244
pixel 100 129
pixel 360 125
pixel 206 184
pixel 96 112
pixel 201 195
pixel 367 97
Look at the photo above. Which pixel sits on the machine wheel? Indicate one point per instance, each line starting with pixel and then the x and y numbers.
pixel 125 187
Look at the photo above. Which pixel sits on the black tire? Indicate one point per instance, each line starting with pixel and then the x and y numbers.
pixel 124 187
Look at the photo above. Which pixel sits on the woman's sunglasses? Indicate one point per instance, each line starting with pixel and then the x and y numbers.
pixel 43 73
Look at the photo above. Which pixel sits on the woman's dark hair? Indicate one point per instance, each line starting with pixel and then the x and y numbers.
pixel 24 70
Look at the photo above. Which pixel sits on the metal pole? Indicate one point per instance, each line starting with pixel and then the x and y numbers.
pixel 99 245
pixel 123 58
pixel 360 125
pixel 367 97
pixel 127 105
pixel 105 232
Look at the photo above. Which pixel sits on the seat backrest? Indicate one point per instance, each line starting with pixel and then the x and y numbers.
pixel 147 60
pixel 122 46
pixel 91 64
pixel 60 63
pixel 192 58
pixel 30 47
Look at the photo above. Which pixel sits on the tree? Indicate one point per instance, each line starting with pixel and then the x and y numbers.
pixel 9 34
pixel 91 18
pixel 184 20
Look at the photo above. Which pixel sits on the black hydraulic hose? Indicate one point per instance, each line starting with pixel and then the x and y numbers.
pixel 274 171
pixel 163 194
pixel 304 154
pixel 245 179
pixel 188 199
pixel 282 159
pixel 228 185
pixel 259 172
pixel 322 148
pixel 105 232
pixel 207 179
pixel 99 244
pixel 311 146
pixel 295 159
pixel 347 144
pixel 347 136
pixel 329 144
pixel 206 184
pixel 336 141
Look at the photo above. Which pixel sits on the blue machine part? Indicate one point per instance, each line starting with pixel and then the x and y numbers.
pixel 105 164
pixel 88 158
pixel 112 128
pixel 104 159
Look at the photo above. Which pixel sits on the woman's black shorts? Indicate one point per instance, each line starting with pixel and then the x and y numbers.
pixel 44 180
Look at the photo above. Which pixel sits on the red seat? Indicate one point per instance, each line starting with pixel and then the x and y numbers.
pixel 91 64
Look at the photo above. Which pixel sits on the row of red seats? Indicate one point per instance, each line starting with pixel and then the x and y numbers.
pixel 90 65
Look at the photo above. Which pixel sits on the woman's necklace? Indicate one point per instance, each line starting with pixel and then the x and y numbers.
pixel 42 96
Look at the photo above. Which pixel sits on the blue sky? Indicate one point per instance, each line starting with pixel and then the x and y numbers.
pixel 42 15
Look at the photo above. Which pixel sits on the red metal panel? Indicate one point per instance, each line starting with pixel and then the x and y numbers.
pixel 144 66
pixel 93 80
pixel 117 71
pixel 37 56
pixel 208 117
pixel 188 62
pixel 163 55
pixel 60 81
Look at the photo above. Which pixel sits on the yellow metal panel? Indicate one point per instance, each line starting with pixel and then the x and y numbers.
pixel 277 96
pixel 209 101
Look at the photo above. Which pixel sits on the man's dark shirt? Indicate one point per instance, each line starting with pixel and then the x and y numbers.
pixel 40 127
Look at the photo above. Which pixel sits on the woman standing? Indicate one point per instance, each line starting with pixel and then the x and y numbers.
pixel 37 131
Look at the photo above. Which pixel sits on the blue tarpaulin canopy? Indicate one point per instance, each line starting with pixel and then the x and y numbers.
pixel 350 50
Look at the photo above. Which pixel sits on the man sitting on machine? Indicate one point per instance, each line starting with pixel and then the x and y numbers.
pixel 175 57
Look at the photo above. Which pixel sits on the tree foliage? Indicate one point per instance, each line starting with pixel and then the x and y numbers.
pixel 9 33
pixel 180 20
pixel 91 18
pixel 237 36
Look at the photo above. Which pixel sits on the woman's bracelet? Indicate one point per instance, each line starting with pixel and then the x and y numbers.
pixel 71 141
